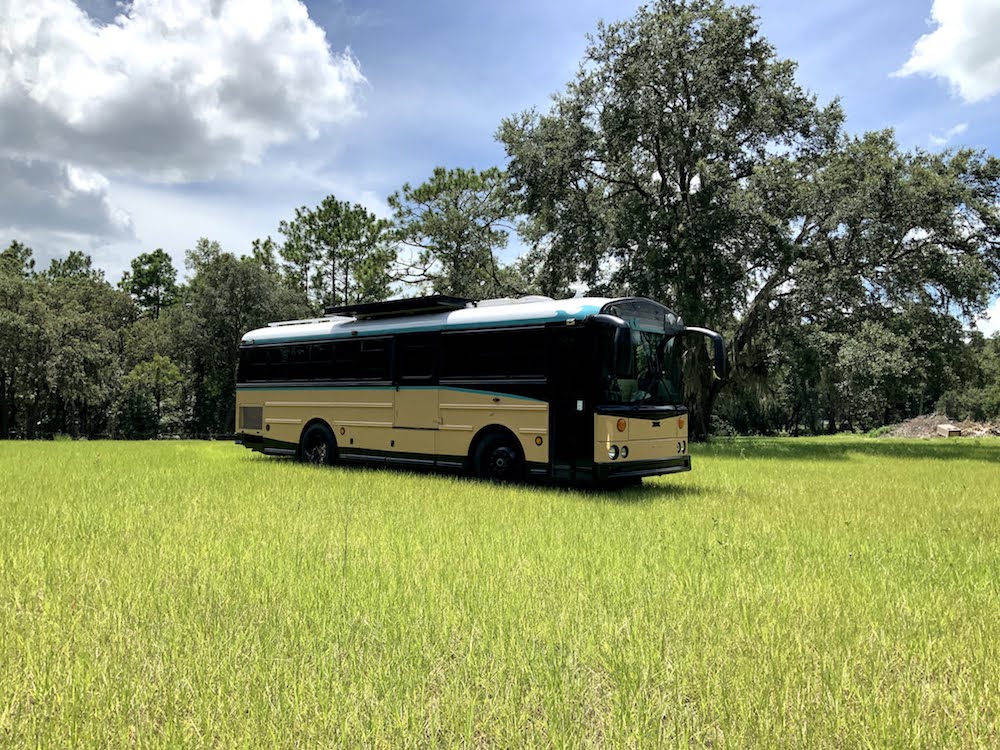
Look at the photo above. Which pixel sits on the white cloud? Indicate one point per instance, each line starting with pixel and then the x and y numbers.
pixel 59 199
pixel 962 49
pixel 990 323
pixel 945 138
pixel 172 89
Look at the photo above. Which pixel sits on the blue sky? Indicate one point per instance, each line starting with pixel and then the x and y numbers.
pixel 437 79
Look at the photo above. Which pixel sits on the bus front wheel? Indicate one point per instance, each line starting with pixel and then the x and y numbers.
pixel 318 446
pixel 498 458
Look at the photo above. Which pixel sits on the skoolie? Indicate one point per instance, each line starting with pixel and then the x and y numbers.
pixel 584 389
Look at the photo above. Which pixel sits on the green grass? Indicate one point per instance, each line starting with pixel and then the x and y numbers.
pixel 786 593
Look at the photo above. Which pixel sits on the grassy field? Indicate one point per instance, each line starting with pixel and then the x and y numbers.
pixel 786 593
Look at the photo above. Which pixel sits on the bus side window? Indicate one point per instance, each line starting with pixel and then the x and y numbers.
pixel 373 362
pixel 320 359
pixel 277 365
pixel 492 355
pixel 345 360
pixel 526 357
pixel 253 365
pixel 416 358
pixel 298 362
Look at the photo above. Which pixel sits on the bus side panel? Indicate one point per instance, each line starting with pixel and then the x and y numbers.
pixel 362 419
pixel 362 413
pixel 465 411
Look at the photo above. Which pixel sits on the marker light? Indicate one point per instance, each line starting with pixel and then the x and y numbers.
pixel 680 422
pixel 538 440
pixel 613 452
pixel 621 425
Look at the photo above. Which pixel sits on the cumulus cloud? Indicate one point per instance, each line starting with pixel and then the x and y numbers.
pixel 945 138
pixel 962 49
pixel 60 198
pixel 171 89
pixel 167 91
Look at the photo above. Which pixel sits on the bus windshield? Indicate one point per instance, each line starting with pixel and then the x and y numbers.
pixel 647 371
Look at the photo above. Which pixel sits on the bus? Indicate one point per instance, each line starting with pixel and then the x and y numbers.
pixel 580 390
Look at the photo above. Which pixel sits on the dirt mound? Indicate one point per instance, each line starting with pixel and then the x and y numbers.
pixel 926 427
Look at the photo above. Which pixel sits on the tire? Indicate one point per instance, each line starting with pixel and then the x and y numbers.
pixel 318 446
pixel 499 459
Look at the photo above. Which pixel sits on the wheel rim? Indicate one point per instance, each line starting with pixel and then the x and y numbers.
pixel 503 463
pixel 318 451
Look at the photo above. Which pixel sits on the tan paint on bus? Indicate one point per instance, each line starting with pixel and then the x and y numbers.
pixel 647 439
pixel 438 421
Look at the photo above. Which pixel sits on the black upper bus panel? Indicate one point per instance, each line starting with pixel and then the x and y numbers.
pixel 400 307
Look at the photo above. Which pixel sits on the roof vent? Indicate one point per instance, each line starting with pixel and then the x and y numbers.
pixel 304 321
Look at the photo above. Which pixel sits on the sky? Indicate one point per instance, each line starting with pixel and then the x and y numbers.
pixel 130 126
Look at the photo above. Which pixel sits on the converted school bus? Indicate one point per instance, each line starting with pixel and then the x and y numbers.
pixel 585 389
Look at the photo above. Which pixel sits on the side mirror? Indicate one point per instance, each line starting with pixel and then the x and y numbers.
pixel 718 349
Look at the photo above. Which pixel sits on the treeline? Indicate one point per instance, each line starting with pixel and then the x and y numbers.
pixel 683 163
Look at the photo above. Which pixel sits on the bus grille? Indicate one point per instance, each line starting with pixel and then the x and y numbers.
pixel 252 417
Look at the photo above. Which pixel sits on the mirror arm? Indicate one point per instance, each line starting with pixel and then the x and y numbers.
pixel 718 348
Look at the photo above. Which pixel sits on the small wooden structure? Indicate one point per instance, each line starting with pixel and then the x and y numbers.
pixel 948 430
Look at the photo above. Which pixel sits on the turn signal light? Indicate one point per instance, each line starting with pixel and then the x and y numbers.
pixel 680 422
pixel 621 425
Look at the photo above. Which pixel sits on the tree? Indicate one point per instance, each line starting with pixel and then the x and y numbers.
pixel 265 253
pixel 76 265
pixel 684 163
pixel 456 222
pixel 149 399
pixel 152 281
pixel 634 182
pixel 18 330
pixel 337 252
pixel 225 297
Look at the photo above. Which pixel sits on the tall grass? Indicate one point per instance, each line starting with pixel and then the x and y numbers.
pixel 786 593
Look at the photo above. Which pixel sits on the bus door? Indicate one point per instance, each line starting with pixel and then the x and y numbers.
pixel 416 381
pixel 571 411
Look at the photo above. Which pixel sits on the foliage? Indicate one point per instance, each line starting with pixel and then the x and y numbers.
pixel 225 297
pixel 684 163
pixel 636 180
pixel 79 357
pixel 979 396
pixel 456 223
pixel 337 252
pixel 784 594
pixel 150 398
pixel 152 281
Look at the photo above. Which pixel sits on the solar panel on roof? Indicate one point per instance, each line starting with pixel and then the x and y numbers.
pixel 400 307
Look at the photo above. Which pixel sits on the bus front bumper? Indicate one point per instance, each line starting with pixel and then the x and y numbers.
pixel 625 469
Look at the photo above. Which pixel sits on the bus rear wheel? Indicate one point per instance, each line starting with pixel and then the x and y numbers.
pixel 318 446
pixel 499 459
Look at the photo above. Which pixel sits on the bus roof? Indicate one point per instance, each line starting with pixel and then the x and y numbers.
pixel 489 314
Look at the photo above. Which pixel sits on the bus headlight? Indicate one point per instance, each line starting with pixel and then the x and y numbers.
pixel 613 452
pixel 624 451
